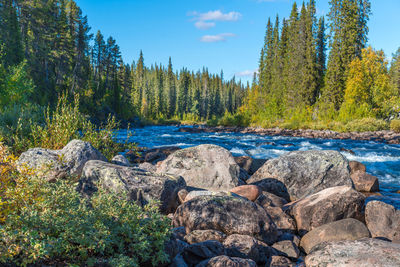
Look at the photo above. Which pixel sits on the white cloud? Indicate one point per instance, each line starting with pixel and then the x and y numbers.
pixel 246 73
pixel 207 20
pixel 203 25
pixel 216 38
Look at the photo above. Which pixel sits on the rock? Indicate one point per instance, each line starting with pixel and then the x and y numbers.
pixel 383 220
pixel 174 246
pixel 148 167
pixel 138 185
pixel 249 164
pixel 272 186
pixel 121 160
pixel 346 229
pixel 351 152
pixel 55 164
pixel 329 205
pixel 225 261
pixel 287 248
pixel 198 193
pixel 230 215
pixel 282 220
pixel 247 247
pixel 269 199
pixel 178 261
pixel 198 236
pixel 251 192
pixel 306 172
pixel 356 166
pixel 364 252
pixel 280 261
pixel 290 236
pixel 182 194
pixel 195 253
pixel 179 233
pixel 153 155
pixel 364 182
pixel 206 166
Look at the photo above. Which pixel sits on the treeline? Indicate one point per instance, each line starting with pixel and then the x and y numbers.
pixel 298 84
pixel 48 50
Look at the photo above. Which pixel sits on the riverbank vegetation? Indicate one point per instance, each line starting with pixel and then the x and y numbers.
pixel 295 87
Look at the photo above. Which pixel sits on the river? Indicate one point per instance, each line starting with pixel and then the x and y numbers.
pixel 381 160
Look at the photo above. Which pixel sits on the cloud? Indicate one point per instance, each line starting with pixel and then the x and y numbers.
pixel 222 37
pixel 246 73
pixel 205 21
pixel 203 25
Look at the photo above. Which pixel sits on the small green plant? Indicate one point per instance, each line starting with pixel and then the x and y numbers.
pixel 395 126
pixel 62 228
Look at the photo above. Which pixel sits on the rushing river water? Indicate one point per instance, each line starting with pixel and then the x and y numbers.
pixel 381 160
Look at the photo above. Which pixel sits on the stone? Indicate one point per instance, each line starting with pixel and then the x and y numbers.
pixel 329 205
pixel 346 229
pixel 138 185
pixel 230 215
pixel 225 261
pixel 56 164
pixel 121 160
pixel 249 164
pixel 272 186
pixel 282 220
pixel 290 236
pixel 356 166
pixel 280 261
pixel 306 172
pixel 247 247
pixel 174 246
pixel 383 220
pixel 269 199
pixel 198 236
pixel 148 167
pixel 198 193
pixel 179 233
pixel 287 248
pixel 364 252
pixel 182 194
pixel 364 182
pixel 195 253
pixel 251 192
pixel 207 167
pixel 153 155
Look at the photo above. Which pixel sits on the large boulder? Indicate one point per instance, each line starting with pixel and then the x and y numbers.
pixel 138 185
pixel 346 229
pixel 121 160
pixel 206 166
pixel 306 172
pixel 247 247
pixel 198 252
pixel 198 236
pixel 230 215
pixel 383 220
pixel 249 164
pixel 225 261
pixel 364 182
pixel 327 206
pixel 288 248
pixel 68 161
pixel 251 192
pixel 364 252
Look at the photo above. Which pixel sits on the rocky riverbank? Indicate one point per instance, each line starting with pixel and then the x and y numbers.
pixel 389 137
pixel 305 208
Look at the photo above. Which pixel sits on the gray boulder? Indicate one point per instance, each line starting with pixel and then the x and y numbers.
pixel 206 166
pixel 198 236
pixel 306 172
pixel 55 164
pixel 346 229
pixel 121 160
pixel 327 206
pixel 364 252
pixel 383 220
pixel 138 185
pixel 225 261
pixel 230 215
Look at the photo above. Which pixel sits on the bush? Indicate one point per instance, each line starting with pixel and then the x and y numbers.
pixel 237 119
pixel 395 126
pixel 366 124
pixel 67 123
pixel 61 228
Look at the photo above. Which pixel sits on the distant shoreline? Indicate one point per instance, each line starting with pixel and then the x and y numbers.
pixel 386 136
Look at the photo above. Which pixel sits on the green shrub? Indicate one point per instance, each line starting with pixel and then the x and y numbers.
pixel 62 228
pixel 395 126
pixel 66 123
pixel 366 124
pixel 237 119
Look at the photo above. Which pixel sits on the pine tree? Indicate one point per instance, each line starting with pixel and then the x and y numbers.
pixel 321 54
pixel 171 91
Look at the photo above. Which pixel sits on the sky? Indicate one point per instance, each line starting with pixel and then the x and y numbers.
pixel 222 35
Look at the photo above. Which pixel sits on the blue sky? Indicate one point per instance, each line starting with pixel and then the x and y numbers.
pixel 219 34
